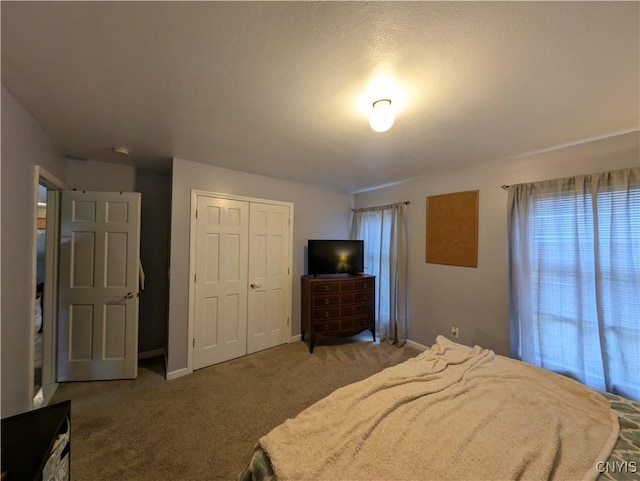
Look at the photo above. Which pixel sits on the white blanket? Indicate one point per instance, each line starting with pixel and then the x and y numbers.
pixel 451 413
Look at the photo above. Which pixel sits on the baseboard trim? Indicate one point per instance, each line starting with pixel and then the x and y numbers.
pixel 416 345
pixel 178 373
pixel 296 338
pixel 152 353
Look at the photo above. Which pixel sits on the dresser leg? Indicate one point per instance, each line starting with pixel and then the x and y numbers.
pixel 302 335
pixel 373 333
pixel 312 343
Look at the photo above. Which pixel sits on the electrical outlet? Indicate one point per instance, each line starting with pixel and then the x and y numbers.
pixel 454 331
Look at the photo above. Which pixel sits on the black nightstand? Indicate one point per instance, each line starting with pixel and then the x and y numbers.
pixel 29 443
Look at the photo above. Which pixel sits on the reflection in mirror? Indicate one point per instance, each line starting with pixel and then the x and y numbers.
pixel 38 310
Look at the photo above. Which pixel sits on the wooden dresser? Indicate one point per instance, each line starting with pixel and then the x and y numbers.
pixel 337 306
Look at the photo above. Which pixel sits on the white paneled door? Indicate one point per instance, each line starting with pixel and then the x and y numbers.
pixel 98 287
pixel 242 278
pixel 269 279
pixel 220 280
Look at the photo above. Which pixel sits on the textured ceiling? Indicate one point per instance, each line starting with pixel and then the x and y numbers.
pixel 278 88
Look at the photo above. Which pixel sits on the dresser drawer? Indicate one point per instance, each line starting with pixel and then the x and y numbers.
pixel 363 284
pixel 325 287
pixel 329 313
pixel 361 297
pixel 363 308
pixel 326 326
pixel 320 301
pixel 346 311
pixel 346 286
pixel 346 324
pixel 363 321
pixel 346 299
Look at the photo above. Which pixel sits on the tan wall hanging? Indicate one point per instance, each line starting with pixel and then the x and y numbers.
pixel 452 229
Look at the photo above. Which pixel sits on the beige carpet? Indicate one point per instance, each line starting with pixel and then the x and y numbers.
pixel 205 425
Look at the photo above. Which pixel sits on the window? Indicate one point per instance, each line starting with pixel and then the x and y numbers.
pixel 575 272
pixel 384 232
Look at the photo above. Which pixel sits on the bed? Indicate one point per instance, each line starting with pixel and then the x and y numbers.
pixel 456 413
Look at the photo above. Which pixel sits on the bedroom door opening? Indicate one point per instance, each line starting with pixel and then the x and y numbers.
pixel 241 282
pixel 41 235
pixel 45 285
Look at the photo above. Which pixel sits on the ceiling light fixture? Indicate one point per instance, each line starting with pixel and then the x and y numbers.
pixel 121 150
pixel 381 117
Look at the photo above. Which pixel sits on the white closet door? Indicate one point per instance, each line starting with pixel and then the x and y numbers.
pixel 220 324
pixel 242 263
pixel 269 276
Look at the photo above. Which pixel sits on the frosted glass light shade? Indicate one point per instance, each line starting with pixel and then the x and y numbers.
pixel 381 117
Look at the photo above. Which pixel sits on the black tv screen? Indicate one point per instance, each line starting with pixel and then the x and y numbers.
pixel 335 256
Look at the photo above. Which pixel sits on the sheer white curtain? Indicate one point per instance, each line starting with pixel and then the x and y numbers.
pixel 574 261
pixel 384 232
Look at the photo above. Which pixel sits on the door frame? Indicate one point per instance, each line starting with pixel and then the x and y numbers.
pixel 195 193
pixel 50 307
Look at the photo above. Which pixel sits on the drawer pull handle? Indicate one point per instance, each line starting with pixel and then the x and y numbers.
pixel 327 314
pixel 366 298
pixel 326 301
pixel 326 288
pixel 364 285
pixel 327 327
pixel 364 321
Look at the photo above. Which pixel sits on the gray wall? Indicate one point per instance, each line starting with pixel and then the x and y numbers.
pixel 476 299
pixel 100 176
pixel 155 188
pixel 24 145
pixel 318 213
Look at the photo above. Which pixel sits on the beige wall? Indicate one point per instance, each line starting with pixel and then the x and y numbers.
pixel 477 299
pixel 318 213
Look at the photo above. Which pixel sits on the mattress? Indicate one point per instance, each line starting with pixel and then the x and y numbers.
pixel 617 460
pixel 622 464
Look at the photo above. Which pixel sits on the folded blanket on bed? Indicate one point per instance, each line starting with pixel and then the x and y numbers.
pixel 452 412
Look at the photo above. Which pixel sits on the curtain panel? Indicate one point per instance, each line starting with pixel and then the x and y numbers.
pixel 384 232
pixel 574 273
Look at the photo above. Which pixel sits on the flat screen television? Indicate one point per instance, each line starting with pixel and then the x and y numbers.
pixel 326 256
